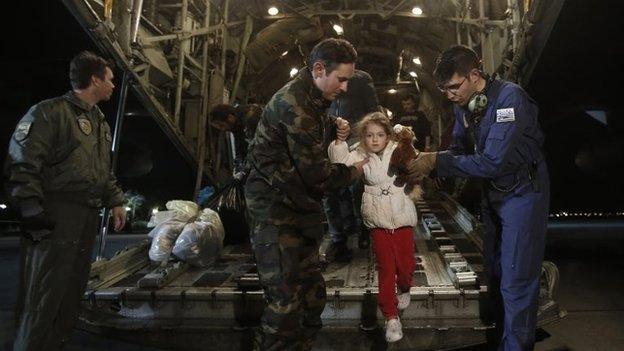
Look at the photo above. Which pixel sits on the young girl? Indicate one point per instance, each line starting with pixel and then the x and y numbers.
pixel 388 212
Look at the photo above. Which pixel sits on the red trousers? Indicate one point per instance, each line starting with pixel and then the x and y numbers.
pixel 394 250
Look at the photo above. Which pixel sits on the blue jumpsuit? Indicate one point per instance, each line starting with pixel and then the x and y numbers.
pixel 505 149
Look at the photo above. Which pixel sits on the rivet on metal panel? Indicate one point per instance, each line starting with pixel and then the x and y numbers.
pixel 184 303
pixel 125 301
pixel 461 299
pixel 92 300
pixel 153 301
pixel 336 302
pixel 123 298
pixel 368 319
pixel 430 299
pixel 213 299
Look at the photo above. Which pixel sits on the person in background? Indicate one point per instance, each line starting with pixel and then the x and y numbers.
pixel 416 119
pixel 342 207
pixel 241 121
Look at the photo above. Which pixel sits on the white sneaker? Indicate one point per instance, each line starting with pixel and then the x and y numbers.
pixel 393 330
pixel 404 300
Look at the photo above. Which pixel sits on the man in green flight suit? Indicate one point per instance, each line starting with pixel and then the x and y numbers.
pixel 289 173
pixel 58 173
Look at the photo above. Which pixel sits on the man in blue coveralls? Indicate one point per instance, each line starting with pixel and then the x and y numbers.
pixel 497 137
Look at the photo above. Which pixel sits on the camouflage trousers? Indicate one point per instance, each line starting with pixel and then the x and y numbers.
pixel 342 219
pixel 294 289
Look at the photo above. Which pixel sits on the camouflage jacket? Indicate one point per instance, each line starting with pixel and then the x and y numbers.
pixel 290 169
pixel 62 146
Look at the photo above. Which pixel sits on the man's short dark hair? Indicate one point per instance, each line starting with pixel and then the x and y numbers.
pixel 332 52
pixel 220 112
pixel 83 66
pixel 456 59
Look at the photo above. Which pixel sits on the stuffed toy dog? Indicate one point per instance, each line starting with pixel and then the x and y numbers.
pixel 401 156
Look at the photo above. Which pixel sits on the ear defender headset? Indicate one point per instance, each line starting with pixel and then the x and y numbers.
pixel 478 102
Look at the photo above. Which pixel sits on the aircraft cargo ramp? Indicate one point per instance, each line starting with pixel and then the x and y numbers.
pixel 188 308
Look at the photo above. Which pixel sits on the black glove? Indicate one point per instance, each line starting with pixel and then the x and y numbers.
pixel 37 227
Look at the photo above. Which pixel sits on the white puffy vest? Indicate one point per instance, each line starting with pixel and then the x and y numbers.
pixel 384 205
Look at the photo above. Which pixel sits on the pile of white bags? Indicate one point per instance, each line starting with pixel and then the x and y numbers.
pixel 197 242
pixel 200 242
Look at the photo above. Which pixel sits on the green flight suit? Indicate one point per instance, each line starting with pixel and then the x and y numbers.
pixel 59 163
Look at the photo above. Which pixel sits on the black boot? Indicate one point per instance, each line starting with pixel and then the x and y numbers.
pixel 364 238
pixel 342 253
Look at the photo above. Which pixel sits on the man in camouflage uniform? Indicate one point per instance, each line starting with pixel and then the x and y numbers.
pixel 58 170
pixel 289 173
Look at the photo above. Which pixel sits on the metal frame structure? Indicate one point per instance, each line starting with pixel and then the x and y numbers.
pixel 191 66
pixel 174 52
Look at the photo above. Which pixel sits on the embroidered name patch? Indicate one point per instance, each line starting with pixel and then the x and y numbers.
pixel 505 115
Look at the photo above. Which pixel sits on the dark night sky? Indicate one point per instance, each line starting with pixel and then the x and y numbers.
pixel 578 70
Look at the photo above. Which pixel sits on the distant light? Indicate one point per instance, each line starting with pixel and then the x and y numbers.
pixel 128 208
pixel 392 91
pixel 293 71
pixel 338 29
pixel 417 61
pixel 413 74
pixel 284 53
pixel 273 11
pixel 417 11
pixel 3 206
pixel 390 113
pixel 155 211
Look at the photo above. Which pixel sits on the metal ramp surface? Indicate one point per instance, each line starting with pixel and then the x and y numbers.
pixel 206 304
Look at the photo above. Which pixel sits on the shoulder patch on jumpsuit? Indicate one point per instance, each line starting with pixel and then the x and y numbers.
pixel 505 115
pixel 22 130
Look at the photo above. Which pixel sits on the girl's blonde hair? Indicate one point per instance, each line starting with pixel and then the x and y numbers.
pixel 378 118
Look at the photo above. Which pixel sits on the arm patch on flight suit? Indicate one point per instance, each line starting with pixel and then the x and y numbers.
pixel 505 115
pixel 22 130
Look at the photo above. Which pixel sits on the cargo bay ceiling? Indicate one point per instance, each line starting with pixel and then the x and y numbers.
pixel 183 56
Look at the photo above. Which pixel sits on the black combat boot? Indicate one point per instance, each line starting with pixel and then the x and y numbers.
pixel 364 238
pixel 342 253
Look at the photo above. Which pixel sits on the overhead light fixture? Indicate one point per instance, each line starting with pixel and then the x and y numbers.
pixel 417 61
pixel 413 74
pixel 338 29
pixel 284 53
pixel 392 91
pixel 293 71
pixel 128 208
pixel 3 206
pixel 417 11
pixel 273 11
